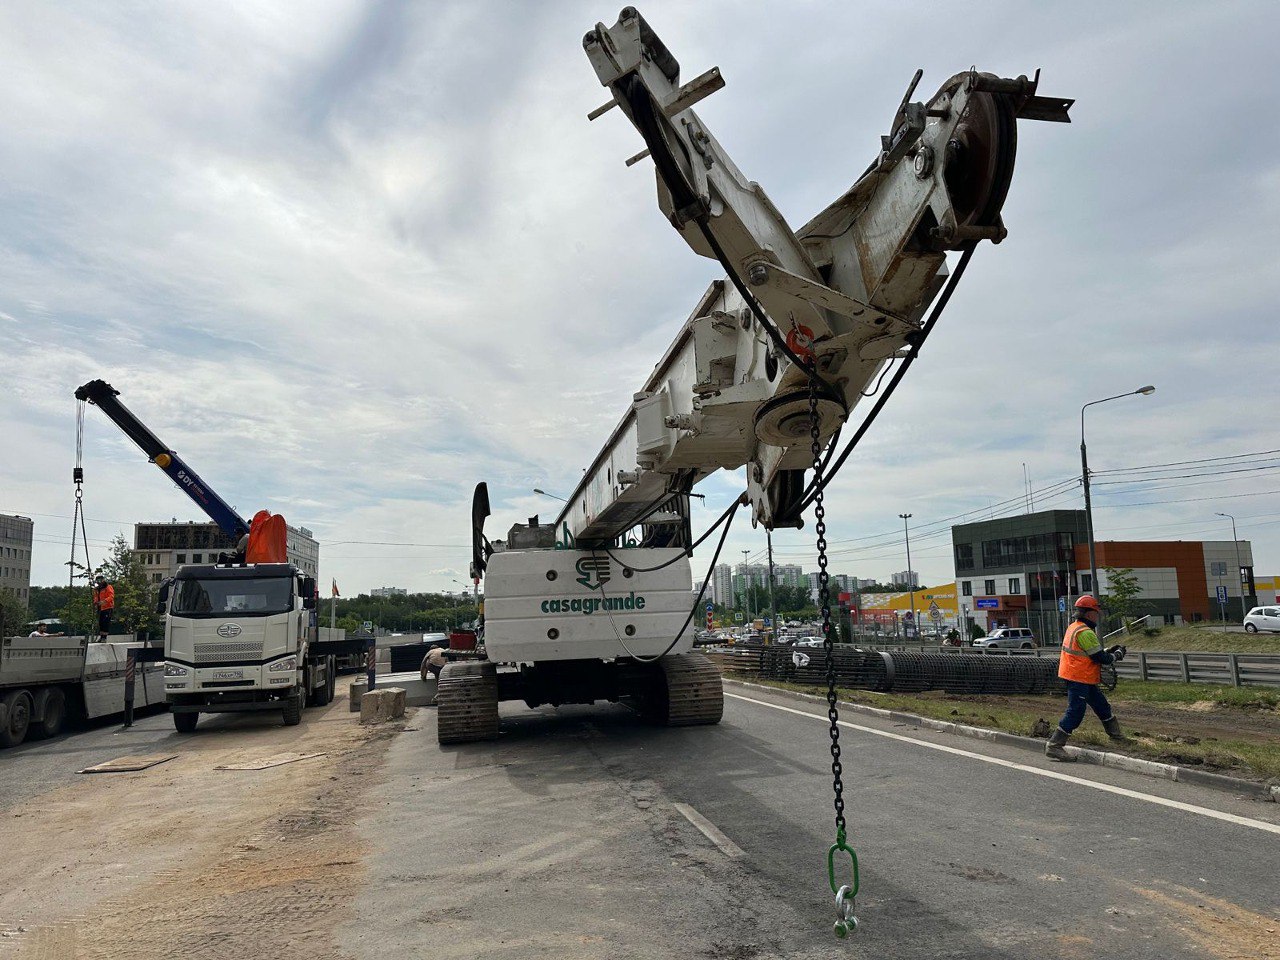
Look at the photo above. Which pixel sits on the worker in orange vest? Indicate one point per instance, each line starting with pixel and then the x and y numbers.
pixel 104 601
pixel 1080 664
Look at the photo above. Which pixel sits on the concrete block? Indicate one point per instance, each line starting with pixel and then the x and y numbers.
pixel 382 704
pixel 355 693
pixel 397 698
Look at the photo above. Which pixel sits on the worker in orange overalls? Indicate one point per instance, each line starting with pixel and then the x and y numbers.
pixel 104 601
pixel 1080 664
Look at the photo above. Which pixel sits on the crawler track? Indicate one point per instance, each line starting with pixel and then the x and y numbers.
pixel 467 695
pixel 693 693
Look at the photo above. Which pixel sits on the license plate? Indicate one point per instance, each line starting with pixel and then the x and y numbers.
pixel 228 674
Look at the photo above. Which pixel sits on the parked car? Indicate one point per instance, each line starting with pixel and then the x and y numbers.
pixel 809 642
pixel 1006 638
pixel 1262 618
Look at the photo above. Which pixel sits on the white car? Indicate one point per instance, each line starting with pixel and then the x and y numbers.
pixel 1005 638
pixel 1262 618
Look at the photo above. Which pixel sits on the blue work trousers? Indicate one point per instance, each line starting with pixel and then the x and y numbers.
pixel 1079 696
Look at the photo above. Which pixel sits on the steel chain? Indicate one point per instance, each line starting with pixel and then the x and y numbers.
pixel 824 605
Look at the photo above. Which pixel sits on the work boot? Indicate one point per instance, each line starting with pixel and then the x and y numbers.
pixel 1055 748
pixel 1112 727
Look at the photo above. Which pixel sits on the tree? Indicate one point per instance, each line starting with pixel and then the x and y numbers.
pixel 1120 601
pixel 135 598
pixel 45 602
pixel 13 614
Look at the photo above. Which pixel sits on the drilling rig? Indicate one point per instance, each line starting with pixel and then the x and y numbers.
pixel 764 373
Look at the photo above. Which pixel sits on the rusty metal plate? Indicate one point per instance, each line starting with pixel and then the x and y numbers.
pixel 129 764
pixel 276 760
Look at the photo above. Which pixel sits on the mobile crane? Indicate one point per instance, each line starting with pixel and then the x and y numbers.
pixel 240 634
pixel 763 374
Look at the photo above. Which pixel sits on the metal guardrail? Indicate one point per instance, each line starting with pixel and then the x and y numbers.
pixel 1233 669
pixel 1230 669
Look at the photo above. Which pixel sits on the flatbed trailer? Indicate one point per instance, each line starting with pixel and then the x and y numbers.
pixel 44 681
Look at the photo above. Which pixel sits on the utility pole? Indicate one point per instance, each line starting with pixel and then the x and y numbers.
pixel 911 581
pixel 746 580
pixel 773 601
pixel 1239 567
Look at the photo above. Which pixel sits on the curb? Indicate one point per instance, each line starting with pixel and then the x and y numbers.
pixel 1100 758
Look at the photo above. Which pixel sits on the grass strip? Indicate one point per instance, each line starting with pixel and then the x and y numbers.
pixel 1200 640
pixel 1244 758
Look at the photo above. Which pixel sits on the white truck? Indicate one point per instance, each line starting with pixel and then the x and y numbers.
pixel 763 374
pixel 46 681
pixel 240 638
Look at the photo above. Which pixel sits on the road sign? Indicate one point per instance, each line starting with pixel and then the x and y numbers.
pixel 986 603
pixel 737 616
pixel 1062 604
pixel 367 626
pixel 768 622
pixel 935 612
pixel 709 607
pixel 1222 594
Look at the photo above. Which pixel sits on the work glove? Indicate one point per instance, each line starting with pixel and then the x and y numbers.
pixel 1118 651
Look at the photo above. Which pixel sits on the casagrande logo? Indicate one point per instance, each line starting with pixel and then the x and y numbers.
pixel 593 572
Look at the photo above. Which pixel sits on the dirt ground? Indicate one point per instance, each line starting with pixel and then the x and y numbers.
pixel 183 859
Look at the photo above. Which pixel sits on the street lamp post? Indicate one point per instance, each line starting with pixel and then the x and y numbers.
pixel 1239 567
pixel 1084 474
pixel 746 579
pixel 911 583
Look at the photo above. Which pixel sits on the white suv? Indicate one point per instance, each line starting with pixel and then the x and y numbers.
pixel 1004 638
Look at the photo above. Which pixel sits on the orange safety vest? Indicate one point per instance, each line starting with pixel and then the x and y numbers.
pixel 1073 662
pixel 105 599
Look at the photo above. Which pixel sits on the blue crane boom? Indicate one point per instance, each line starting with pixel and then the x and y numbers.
pixel 102 395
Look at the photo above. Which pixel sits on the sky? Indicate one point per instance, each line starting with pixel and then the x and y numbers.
pixel 350 258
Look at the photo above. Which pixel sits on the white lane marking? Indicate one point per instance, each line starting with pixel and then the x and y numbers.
pixel 1050 774
pixel 710 831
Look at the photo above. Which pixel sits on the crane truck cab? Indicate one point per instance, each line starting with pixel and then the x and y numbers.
pixel 240 638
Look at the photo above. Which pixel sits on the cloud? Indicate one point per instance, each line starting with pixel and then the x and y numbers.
pixel 351 259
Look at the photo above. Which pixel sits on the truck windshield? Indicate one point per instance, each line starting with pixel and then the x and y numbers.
pixel 248 597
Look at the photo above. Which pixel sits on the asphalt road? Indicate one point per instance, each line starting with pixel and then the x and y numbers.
pixel 569 837
pixel 38 766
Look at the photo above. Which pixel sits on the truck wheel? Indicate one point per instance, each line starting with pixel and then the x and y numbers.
pixel 186 722
pixel 325 694
pixel 50 714
pixel 331 679
pixel 17 705
pixel 310 697
pixel 293 709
